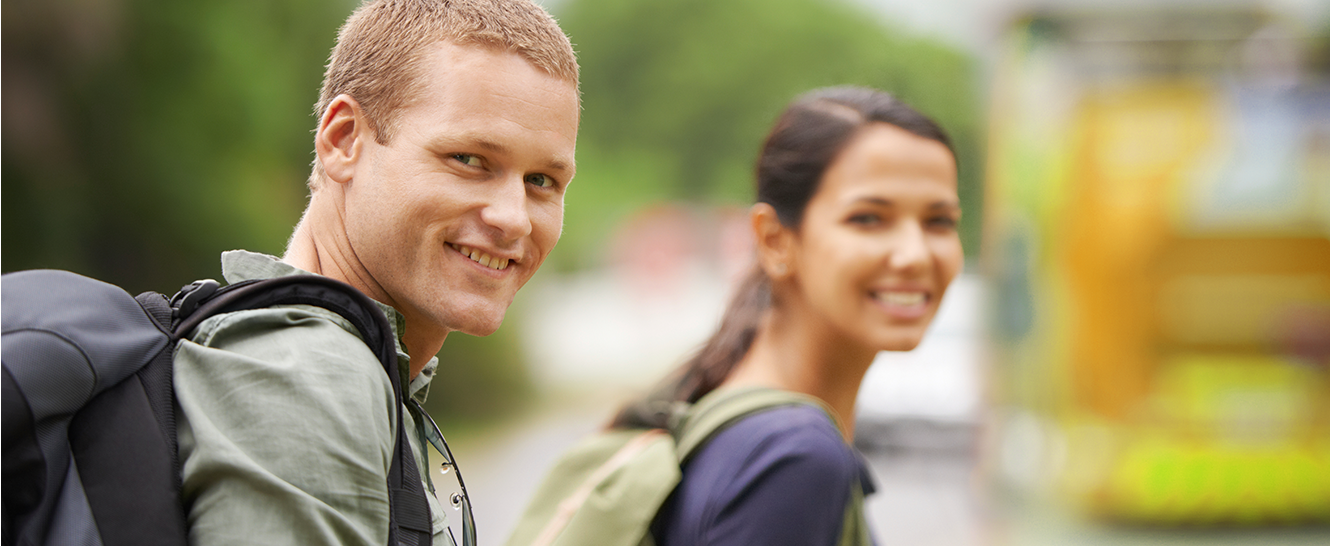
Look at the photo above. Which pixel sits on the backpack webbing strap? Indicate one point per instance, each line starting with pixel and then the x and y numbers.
pixel 158 378
pixel 409 509
pixel 722 407
pixel 315 290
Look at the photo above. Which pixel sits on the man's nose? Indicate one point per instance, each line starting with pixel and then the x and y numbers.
pixel 506 210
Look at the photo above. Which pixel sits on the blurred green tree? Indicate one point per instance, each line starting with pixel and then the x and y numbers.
pixel 678 96
pixel 143 137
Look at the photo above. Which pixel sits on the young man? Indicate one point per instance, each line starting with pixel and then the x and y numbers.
pixel 444 145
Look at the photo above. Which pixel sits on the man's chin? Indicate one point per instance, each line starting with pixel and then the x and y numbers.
pixel 479 325
pixel 470 314
pixel 479 332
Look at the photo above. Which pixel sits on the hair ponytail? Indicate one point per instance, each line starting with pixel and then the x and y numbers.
pixel 709 367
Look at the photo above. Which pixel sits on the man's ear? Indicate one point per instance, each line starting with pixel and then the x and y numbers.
pixel 340 138
pixel 775 242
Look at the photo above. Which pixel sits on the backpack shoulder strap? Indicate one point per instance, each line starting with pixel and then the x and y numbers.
pixel 409 509
pixel 315 290
pixel 722 407
pixel 854 528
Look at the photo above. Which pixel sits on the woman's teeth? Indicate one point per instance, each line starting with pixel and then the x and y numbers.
pixel 903 299
pixel 481 257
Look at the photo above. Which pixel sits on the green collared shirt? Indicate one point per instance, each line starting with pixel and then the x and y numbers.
pixel 286 424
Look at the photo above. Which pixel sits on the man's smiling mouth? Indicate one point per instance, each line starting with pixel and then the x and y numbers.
pixel 481 258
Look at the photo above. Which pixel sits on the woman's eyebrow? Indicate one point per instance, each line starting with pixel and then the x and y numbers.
pixel 872 200
pixel 946 205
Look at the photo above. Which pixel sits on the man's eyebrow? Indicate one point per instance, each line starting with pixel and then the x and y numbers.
pixel 560 165
pixel 490 145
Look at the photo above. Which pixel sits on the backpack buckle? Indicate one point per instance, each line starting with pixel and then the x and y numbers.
pixel 188 298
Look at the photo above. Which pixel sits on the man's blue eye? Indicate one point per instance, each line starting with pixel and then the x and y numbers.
pixel 468 159
pixel 539 180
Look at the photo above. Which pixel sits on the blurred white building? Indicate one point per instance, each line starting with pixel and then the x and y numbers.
pixel 931 397
pixel 629 323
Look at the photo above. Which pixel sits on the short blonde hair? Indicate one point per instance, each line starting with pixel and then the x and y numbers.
pixel 376 59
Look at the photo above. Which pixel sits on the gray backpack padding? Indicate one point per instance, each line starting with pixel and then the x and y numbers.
pixel 89 410
pixel 68 339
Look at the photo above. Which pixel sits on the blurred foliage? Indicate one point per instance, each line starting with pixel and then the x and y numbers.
pixel 479 379
pixel 679 95
pixel 143 137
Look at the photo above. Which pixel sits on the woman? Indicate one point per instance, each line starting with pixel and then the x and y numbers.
pixel 855 224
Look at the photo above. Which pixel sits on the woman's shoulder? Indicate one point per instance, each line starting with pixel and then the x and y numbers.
pixel 741 486
pixel 777 441
pixel 797 430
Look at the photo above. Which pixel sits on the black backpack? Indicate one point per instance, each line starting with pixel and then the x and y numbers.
pixel 89 408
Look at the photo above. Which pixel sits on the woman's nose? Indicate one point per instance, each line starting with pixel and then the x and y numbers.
pixel 909 249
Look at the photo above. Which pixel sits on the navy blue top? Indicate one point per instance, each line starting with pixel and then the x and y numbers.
pixel 782 476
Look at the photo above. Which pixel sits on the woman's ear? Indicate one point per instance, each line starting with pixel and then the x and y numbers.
pixel 774 242
pixel 340 138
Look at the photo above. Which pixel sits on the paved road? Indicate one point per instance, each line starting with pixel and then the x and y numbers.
pixel 503 469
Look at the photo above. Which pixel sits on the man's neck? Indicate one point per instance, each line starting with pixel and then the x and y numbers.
pixel 426 348
pixel 318 250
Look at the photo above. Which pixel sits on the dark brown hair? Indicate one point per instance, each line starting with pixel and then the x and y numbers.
pixel 807 137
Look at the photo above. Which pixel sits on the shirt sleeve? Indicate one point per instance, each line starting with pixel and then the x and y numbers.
pixel 782 477
pixel 286 430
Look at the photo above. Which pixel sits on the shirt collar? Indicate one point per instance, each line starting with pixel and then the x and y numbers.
pixel 243 265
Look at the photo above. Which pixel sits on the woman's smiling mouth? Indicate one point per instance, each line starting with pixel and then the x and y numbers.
pixel 906 304
pixel 901 298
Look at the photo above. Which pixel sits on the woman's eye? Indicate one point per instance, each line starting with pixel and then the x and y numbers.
pixel 468 159
pixel 540 180
pixel 943 222
pixel 865 219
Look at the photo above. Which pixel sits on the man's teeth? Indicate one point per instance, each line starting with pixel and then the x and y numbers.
pixel 903 299
pixel 482 258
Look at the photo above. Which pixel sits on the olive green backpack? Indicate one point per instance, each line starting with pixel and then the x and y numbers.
pixel 606 490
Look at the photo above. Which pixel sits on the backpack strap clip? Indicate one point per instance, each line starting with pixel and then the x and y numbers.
pixel 188 298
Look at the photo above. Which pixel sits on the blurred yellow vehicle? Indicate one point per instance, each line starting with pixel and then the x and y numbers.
pixel 1158 239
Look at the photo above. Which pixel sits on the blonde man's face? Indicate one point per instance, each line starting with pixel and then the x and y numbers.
pixel 457 211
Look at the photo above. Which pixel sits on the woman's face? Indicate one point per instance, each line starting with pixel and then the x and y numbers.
pixel 878 244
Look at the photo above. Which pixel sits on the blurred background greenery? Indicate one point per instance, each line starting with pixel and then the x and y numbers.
pixel 143 137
